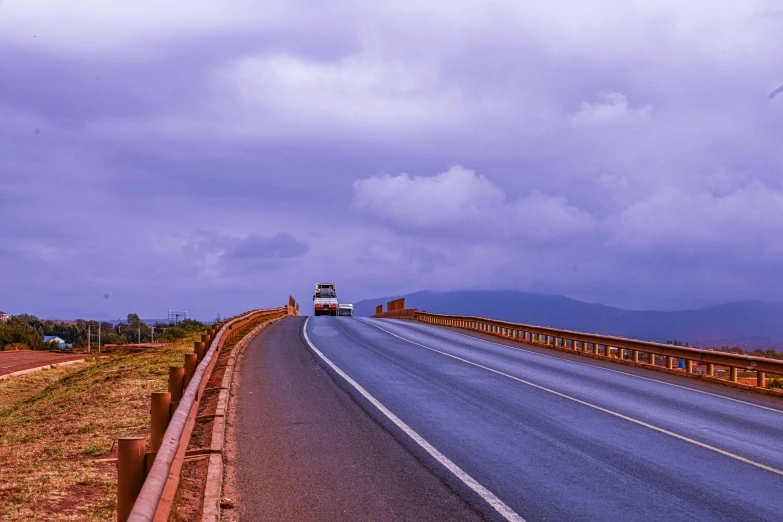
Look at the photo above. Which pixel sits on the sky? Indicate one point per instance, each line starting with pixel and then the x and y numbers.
pixel 218 156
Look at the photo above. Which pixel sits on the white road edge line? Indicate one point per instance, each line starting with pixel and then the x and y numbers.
pixel 602 368
pixel 590 405
pixel 497 504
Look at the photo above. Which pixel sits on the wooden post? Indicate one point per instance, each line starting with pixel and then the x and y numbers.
pixel 130 473
pixel 161 415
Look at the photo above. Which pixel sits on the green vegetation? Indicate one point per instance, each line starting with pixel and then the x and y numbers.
pixel 24 332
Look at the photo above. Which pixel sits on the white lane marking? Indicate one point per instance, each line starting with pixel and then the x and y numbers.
pixel 499 506
pixel 594 406
pixel 602 368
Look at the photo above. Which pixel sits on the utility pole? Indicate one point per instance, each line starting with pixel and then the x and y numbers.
pixel 88 339
pixel 153 333
pixel 139 338
pixel 99 337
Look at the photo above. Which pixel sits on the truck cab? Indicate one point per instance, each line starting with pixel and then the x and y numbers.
pixel 325 299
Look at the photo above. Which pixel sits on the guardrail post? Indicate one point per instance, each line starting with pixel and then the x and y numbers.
pixel 761 379
pixel 670 362
pixel 595 348
pixel 160 417
pixel 688 366
pixel 201 350
pixel 130 473
pixel 191 361
pixel 176 380
pixel 710 370
pixel 635 356
pixel 205 338
pixel 651 359
pixel 733 374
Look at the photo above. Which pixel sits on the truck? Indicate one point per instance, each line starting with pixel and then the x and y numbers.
pixel 345 309
pixel 325 299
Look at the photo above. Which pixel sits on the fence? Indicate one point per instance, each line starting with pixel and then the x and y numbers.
pixel 710 363
pixel 147 481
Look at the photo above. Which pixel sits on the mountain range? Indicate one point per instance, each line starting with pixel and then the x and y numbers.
pixel 745 324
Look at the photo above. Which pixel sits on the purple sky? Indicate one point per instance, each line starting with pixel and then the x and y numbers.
pixel 217 156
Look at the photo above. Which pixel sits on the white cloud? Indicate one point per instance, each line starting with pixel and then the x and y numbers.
pixel 357 92
pixel 749 217
pixel 99 27
pixel 613 109
pixel 459 200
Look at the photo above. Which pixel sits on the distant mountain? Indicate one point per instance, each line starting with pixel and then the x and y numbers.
pixel 748 324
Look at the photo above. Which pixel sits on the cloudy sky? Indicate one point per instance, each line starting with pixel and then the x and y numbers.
pixel 217 156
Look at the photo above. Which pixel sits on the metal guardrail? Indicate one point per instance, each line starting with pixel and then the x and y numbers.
pixel 152 499
pixel 603 346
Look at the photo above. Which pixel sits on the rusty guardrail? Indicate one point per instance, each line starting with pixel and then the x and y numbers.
pixel 643 353
pixel 147 482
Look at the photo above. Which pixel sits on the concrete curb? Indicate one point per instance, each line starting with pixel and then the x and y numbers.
pixel 31 370
pixel 214 488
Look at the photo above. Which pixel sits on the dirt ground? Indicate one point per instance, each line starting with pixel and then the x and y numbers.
pixel 15 361
pixel 57 423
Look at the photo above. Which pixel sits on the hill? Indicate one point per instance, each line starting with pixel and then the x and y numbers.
pixel 747 324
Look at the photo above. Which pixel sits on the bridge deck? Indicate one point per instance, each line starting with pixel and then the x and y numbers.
pixel 550 437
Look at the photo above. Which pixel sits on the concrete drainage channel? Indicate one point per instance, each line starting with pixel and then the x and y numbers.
pixel 148 482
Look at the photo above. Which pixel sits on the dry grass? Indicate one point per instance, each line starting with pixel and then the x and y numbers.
pixel 56 422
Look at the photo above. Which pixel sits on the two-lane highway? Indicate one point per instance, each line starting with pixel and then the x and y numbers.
pixel 501 431
pixel 559 440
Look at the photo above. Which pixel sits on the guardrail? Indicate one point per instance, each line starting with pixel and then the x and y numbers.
pixel 642 353
pixel 147 481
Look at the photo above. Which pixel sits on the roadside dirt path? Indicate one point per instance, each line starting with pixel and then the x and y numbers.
pixel 15 361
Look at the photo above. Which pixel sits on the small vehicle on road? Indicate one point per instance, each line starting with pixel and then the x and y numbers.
pixel 325 299
pixel 345 309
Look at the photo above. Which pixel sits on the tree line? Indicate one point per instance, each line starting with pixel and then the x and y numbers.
pixel 27 332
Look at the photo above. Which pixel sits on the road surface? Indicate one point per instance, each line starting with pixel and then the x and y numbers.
pixel 516 434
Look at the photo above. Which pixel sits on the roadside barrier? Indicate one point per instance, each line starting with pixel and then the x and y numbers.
pixel 147 482
pixel 695 362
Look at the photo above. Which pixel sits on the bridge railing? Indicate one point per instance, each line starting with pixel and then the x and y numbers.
pixel 147 483
pixel 708 362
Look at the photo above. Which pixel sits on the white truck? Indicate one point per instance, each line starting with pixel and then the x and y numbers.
pixel 325 299
pixel 345 309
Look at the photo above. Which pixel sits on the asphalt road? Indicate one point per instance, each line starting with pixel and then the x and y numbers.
pixel 307 451
pixel 542 437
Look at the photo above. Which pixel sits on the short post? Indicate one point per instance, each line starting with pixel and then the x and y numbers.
pixel 205 338
pixel 200 349
pixel 130 473
pixel 191 360
pixel 176 380
pixel 688 366
pixel 596 350
pixel 651 358
pixel 670 362
pixel 733 374
pixel 761 379
pixel 710 370
pixel 161 415
pixel 635 355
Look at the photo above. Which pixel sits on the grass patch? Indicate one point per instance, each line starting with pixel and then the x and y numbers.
pixel 53 425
